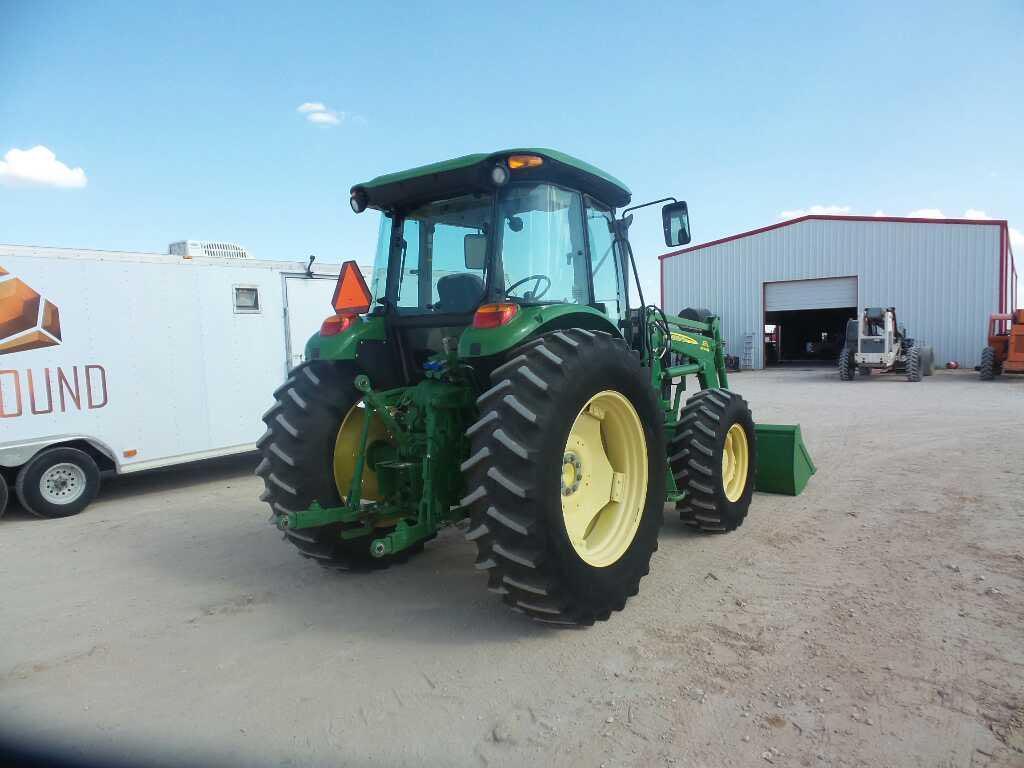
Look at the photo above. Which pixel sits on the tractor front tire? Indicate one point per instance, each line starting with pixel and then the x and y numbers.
pixel 988 368
pixel 297 463
pixel 566 477
pixel 713 456
pixel 915 364
pixel 847 364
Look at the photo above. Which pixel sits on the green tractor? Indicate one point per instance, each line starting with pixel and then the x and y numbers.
pixel 494 370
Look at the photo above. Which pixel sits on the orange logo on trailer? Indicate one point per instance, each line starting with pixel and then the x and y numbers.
pixel 27 320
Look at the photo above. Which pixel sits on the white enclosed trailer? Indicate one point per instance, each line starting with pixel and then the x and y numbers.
pixel 120 362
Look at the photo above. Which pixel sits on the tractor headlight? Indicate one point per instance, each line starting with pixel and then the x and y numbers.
pixel 358 201
pixel 499 175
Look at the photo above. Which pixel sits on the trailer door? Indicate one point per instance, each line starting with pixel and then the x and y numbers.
pixel 307 302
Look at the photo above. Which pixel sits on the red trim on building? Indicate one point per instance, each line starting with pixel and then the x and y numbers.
pixel 1002 269
pixel 661 274
pixel 1006 260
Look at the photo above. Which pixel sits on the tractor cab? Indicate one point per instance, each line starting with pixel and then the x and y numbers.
pixel 477 240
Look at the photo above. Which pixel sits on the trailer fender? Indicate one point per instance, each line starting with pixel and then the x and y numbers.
pixel 16 454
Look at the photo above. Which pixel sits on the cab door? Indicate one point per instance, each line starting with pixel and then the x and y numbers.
pixel 605 262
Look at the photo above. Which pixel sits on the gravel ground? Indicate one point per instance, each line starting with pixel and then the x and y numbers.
pixel 876 620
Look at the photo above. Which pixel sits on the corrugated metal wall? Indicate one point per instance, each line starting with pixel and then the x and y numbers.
pixel 942 278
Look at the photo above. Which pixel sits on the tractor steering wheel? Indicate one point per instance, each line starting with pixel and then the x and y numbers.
pixel 537 291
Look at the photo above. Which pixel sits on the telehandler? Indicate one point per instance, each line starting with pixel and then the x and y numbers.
pixel 494 370
pixel 876 343
pixel 1004 352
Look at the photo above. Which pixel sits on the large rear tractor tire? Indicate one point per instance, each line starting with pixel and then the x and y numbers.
pixel 3 496
pixel 566 477
pixel 58 482
pixel 847 364
pixel 988 368
pixel 915 364
pixel 308 452
pixel 713 456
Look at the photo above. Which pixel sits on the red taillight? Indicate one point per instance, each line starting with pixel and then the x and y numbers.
pixel 336 324
pixel 494 315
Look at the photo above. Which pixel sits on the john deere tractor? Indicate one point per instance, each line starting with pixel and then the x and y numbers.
pixel 494 371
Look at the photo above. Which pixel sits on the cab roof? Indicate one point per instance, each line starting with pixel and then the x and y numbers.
pixel 471 173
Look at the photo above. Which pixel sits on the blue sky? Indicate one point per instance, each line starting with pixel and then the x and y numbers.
pixel 184 119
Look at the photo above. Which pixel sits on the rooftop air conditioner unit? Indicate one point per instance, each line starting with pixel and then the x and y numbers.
pixel 191 249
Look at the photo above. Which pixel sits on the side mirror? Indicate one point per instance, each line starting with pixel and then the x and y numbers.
pixel 676 221
pixel 475 247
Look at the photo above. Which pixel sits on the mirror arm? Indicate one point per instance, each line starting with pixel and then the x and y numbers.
pixel 644 205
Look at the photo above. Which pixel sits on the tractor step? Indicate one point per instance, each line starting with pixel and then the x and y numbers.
pixel 783 465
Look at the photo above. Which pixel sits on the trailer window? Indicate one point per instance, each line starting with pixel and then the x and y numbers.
pixel 247 299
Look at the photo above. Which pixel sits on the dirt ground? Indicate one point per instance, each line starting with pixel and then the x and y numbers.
pixel 876 620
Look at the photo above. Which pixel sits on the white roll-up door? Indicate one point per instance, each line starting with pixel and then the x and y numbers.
pixel 823 293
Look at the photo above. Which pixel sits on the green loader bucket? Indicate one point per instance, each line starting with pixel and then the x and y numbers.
pixel 783 464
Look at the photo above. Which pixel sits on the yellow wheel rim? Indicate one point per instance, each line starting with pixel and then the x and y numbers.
pixel 346 451
pixel 735 462
pixel 604 479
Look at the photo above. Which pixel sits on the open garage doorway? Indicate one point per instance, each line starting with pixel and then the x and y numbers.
pixel 805 320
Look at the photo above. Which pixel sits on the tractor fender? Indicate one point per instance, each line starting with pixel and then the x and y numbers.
pixel 530 322
pixel 345 345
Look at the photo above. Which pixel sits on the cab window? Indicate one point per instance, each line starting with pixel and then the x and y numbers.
pixel 542 249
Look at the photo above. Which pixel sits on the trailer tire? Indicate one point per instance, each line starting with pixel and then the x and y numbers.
pixel 714 501
pixel 914 364
pixel 987 369
pixel 847 364
pixel 523 473
pixel 4 496
pixel 297 464
pixel 58 482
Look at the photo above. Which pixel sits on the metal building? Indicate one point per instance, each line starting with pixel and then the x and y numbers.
pixel 785 291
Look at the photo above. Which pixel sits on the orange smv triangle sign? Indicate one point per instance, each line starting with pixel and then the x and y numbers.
pixel 351 296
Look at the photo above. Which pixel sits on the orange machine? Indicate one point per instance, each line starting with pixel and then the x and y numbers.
pixel 1005 350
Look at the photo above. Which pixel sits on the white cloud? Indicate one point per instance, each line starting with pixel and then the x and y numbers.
pixel 974 213
pixel 1016 239
pixel 816 210
pixel 879 212
pixel 39 166
pixel 324 118
pixel 926 213
pixel 317 112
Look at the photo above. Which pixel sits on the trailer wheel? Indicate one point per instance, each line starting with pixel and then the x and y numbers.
pixel 4 495
pixel 714 460
pixel 863 370
pixel 987 369
pixel 306 456
pixel 58 482
pixel 914 364
pixel 847 364
pixel 566 477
